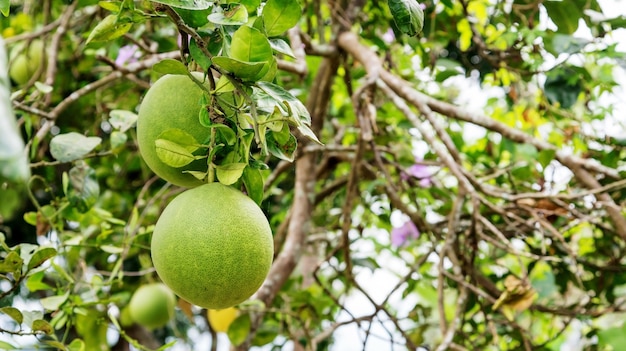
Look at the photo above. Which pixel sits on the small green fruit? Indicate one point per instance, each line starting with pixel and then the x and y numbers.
pixel 152 305
pixel 26 62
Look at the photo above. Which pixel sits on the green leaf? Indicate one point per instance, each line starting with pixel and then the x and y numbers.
pixel 42 325
pixel 170 66
pixel 545 157
pixel 186 4
pixel 122 120
pixel 195 18
pixel 108 29
pixel 14 313
pixel 557 43
pixel 235 15
pixel 110 6
pixel 286 101
pixel 40 256
pixel 175 147
pixel 85 189
pixel 408 16
pixel 12 263
pixel 284 151
pixel 251 5
pixel 281 47
pixel 562 85
pixel 230 173
pixel 280 15
pixel 239 329
pixel 243 70
pixel 250 45
pixel 52 303
pixel 72 146
pixel 612 337
pixel 226 133
pixel 173 154
pixel 112 249
pixel 253 181
pixel 196 53
pixel 44 88
pixel 3 344
pixel 564 15
pixel 5 6
pixel 35 282
pixel 76 345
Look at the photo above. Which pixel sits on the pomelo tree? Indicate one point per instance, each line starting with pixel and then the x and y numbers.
pixel 436 175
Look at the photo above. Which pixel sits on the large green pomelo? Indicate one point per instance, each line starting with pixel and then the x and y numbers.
pixel 152 305
pixel 213 246
pixel 173 102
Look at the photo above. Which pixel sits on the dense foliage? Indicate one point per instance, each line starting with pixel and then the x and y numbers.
pixel 443 175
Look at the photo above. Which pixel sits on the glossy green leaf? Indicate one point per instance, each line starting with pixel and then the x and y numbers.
pixel 11 263
pixel 108 29
pixel 5 6
pixel 250 45
pixel 226 133
pixel 284 151
pixel 110 6
pixel 170 66
pixel 195 18
pixel 243 70
pixel 557 43
pixel 122 120
pixel 186 4
pixel 280 46
pixel 235 15
pixel 85 189
pixel 253 181
pixel 230 173
pixel 5 345
pixel 198 56
pixel 280 15
pixel 42 325
pixel 175 147
pixel 72 146
pixel 251 5
pixel 239 329
pixel 77 345
pixel 35 282
pixel 564 15
pixel 408 16
pixel 14 313
pixel 40 256
pixel 52 303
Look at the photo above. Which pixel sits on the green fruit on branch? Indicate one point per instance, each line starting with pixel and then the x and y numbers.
pixel 152 305
pixel 173 102
pixel 26 61
pixel 213 246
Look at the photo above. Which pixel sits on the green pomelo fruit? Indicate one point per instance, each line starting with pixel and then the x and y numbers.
pixel 213 246
pixel 173 102
pixel 152 305
pixel 26 62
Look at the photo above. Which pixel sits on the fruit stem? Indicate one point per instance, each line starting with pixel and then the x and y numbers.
pixel 211 166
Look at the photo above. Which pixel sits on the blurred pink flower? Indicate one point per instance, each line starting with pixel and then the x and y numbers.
pixel 419 171
pixel 127 54
pixel 400 235
pixel 389 37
